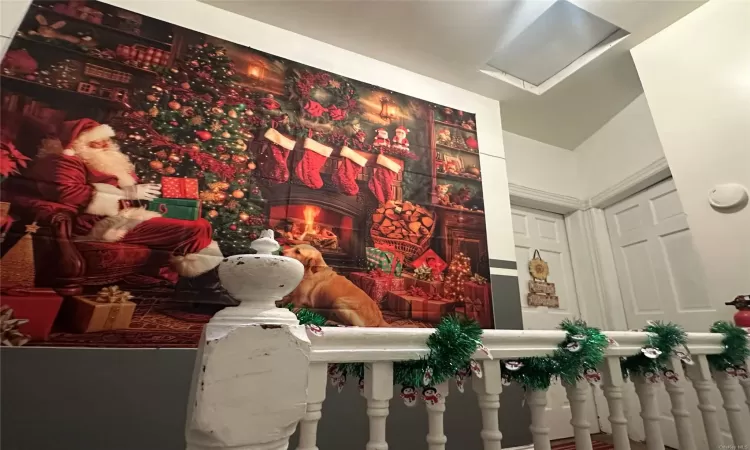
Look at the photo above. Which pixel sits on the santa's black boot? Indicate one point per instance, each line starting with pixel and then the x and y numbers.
pixel 205 288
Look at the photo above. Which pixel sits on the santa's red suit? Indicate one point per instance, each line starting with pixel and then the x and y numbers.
pixel 85 169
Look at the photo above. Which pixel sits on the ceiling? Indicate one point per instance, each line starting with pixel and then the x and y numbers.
pixel 451 40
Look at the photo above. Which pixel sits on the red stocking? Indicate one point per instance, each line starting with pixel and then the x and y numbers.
pixel 272 161
pixel 382 178
pixel 308 169
pixel 345 178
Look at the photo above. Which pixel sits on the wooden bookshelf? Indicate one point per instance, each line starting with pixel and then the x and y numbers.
pixel 447 147
pixel 453 125
pixel 32 88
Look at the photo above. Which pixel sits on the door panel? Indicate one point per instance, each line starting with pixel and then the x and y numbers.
pixel 662 278
pixel 538 230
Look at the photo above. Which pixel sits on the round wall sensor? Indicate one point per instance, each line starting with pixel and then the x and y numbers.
pixel 727 195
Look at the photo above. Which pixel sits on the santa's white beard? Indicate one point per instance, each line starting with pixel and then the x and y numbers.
pixel 110 161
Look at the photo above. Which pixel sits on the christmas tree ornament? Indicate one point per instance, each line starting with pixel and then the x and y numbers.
pixel 273 158
pixel 203 135
pixel 431 396
pixel 185 85
pixel 232 113
pixel 215 126
pixel 174 157
pixel 255 190
pixel 153 111
pixel 170 170
pixel 383 177
pixel 151 98
pixel 174 106
pixel 308 169
pixel 239 159
pixel 244 216
pixel 156 165
pixel 225 157
pixel 251 165
pixel 226 135
pixel 174 123
pixel 213 213
pixel 345 176
pixel 409 395
pixel 241 145
pixel 238 194
pixel 233 227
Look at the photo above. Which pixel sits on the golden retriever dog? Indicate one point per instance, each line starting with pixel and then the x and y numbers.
pixel 330 294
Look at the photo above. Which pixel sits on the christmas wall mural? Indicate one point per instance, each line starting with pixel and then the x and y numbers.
pixel 136 155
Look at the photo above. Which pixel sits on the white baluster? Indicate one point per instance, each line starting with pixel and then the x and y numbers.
pixel 577 396
pixel 729 387
pixel 249 386
pixel 488 389
pixel 681 415
pixel 745 383
pixel 435 435
pixel 700 375
pixel 378 392
pixel 316 394
pixel 649 412
pixel 612 383
pixel 537 401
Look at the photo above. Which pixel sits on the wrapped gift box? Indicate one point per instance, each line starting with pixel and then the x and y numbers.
pixel 174 187
pixel 39 306
pixel 384 260
pixel 419 308
pixel 85 315
pixel 430 287
pixel 176 208
pixel 377 286
pixel 478 293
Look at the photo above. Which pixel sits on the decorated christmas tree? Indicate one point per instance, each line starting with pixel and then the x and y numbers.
pixel 197 122
pixel 459 272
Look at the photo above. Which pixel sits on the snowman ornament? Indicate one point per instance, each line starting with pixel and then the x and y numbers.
pixel 409 396
pixel 430 395
pixel 592 376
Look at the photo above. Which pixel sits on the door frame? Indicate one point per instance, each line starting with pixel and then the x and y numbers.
pixel 599 298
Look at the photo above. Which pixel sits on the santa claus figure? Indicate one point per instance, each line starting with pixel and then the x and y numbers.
pixel 381 138
pixel 84 169
pixel 399 140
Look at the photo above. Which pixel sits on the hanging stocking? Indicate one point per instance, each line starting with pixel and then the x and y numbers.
pixel 272 160
pixel 345 177
pixel 382 178
pixel 308 169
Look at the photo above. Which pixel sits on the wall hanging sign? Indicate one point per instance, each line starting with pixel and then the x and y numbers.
pixel 541 293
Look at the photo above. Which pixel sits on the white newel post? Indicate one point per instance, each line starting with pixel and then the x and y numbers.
pixel 700 375
pixel 646 391
pixel 378 392
pixel 577 396
pixel 488 389
pixel 612 384
pixel 436 438
pixel 676 391
pixel 537 401
pixel 738 421
pixel 745 383
pixel 249 387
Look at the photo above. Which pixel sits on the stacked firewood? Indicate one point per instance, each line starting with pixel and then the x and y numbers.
pixel 403 221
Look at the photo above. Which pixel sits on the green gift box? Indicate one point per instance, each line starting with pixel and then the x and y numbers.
pixel 383 260
pixel 176 208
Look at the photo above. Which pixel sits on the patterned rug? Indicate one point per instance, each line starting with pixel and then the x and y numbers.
pixel 571 445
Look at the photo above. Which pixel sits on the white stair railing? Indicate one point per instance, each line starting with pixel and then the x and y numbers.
pixel 680 412
pixel 259 374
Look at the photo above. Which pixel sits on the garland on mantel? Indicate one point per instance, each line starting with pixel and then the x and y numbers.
pixel 736 351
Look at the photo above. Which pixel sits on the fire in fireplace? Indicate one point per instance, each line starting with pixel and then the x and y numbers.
pixel 324 229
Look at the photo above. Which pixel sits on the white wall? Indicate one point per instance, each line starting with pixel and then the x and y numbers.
pixel 623 146
pixel 541 166
pixel 696 77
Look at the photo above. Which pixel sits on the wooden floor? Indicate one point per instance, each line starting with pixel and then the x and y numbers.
pixel 608 439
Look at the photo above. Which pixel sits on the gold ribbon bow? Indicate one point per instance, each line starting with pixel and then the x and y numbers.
pixel 112 294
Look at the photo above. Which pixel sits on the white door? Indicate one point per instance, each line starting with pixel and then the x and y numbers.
pixel 661 278
pixel 538 230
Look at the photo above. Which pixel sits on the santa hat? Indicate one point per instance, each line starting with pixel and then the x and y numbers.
pixel 83 131
pixel 402 128
pixel 380 129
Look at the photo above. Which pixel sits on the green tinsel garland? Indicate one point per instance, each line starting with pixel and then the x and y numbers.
pixel 663 339
pixel 583 348
pixel 735 347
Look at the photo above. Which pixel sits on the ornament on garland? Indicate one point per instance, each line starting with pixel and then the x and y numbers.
pixel 736 351
pixel 431 396
pixel 592 376
pixel 661 342
pixel 409 395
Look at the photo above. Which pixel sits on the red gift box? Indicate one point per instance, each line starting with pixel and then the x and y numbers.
pixel 430 287
pixel 173 187
pixel 377 285
pixel 418 307
pixel 39 306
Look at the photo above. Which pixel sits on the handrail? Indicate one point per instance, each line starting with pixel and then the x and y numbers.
pixel 340 344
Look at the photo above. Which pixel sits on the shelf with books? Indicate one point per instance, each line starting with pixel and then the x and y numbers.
pixel 449 148
pixel 104 61
pixel 32 88
pixel 456 126
pixel 451 176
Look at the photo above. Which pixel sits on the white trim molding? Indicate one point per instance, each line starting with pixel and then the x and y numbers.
pixel 638 181
pixel 544 200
